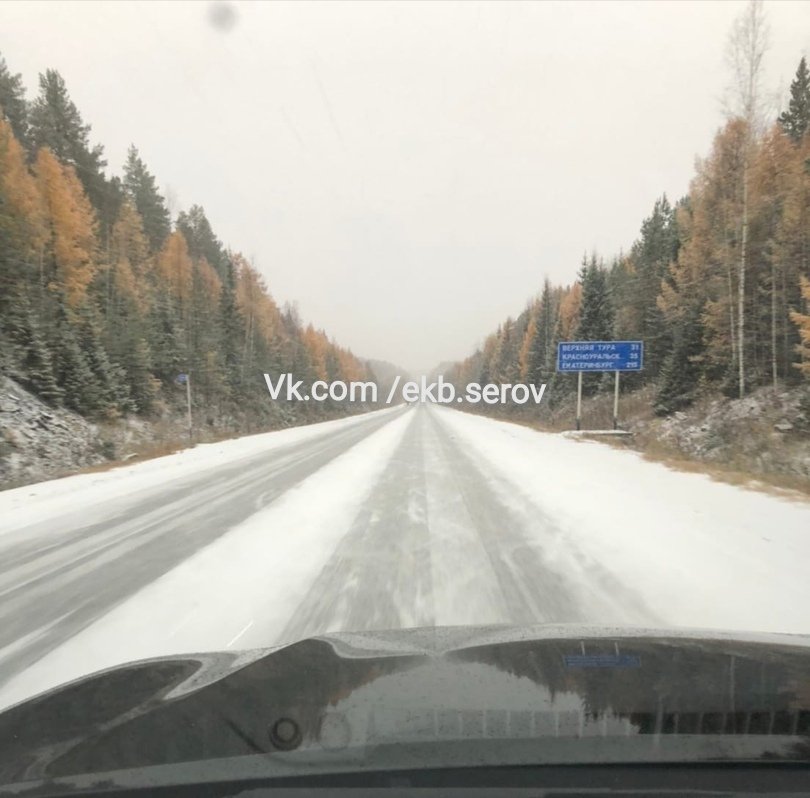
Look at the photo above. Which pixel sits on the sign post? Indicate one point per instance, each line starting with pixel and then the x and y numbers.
pixel 616 356
pixel 615 402
pixel 188 402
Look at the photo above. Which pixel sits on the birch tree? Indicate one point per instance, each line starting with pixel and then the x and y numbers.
pixel 746 50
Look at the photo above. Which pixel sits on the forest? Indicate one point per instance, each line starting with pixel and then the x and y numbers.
pixel 105 300
pixel 717 285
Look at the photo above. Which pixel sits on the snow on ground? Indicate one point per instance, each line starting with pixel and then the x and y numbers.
pixel 701 553
pixel 252 577
pixel 622 535
pixel 111 490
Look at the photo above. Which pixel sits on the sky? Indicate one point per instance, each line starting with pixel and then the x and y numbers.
pixel 406 173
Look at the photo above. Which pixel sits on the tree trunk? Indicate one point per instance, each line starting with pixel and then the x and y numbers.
pixel 728 259
pixel 741 284
pixel 773 323
pixel 785 315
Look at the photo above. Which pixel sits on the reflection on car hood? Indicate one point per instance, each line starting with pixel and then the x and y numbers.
pixel 361 700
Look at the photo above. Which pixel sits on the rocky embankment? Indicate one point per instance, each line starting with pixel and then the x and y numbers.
pixel 767 432
pixel 38 441
pixel 764 436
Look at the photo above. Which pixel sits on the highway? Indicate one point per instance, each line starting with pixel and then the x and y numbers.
pixel 414 516
pixel 59 575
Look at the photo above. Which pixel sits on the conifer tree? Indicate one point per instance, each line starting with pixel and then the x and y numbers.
pixel 796 119
pixel 199 235
pixel 680 372
pixel 31 365
pixel 802 322
pixel 13 107
pixel 596 312
pixel 140 188
pixel 56 123
pixel 233 326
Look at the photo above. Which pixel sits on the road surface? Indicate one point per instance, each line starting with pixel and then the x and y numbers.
pixel 404 517
pixel 62 584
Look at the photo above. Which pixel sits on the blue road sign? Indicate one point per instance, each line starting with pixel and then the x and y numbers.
pixel 600 356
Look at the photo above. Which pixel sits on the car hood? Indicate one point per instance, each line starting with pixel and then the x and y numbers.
pixel 437 696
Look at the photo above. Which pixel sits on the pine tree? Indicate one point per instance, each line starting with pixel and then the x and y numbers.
pixel 141 189
pixel 129 295
pixel 13 107
pixel 169 336
pixel 167 339
pixel 113 392
pixel 651 256
pixel 791 241
pixel 202 243
pixel 332 364
pixel 39 375
pixel 233 326
pixel 56 124
pixel 205 332
pixel 32 365
pixel 802 322
pixel 542 354
pixel 74 375
pixel 682 302
pixel 506 368
pixel 596 311
pixel 144 387
pixel 490 355
pixel 317 345
pixel 680 372
pixel 530 333
pixel 796 119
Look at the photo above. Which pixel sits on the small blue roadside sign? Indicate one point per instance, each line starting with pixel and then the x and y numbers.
pixel 600 355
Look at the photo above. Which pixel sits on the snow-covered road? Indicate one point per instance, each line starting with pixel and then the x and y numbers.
pixel 403 517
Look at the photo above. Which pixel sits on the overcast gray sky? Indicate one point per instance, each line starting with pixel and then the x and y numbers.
pixel 407 173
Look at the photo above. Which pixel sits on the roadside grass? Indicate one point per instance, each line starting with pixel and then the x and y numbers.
pixel 168 440
pixel 165 443
pixel 141 453
pixel 783 485
pixel 735 469
pixel 731 472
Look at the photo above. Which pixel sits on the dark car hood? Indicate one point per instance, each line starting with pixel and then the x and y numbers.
pixel 409 697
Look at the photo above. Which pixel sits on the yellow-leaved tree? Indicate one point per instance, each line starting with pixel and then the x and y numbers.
pixel 71 246
pixel 174 269
pixel 22 216
pixel 129 266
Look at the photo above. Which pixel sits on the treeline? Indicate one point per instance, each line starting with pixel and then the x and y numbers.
pixel 717 286
pixel 104 302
